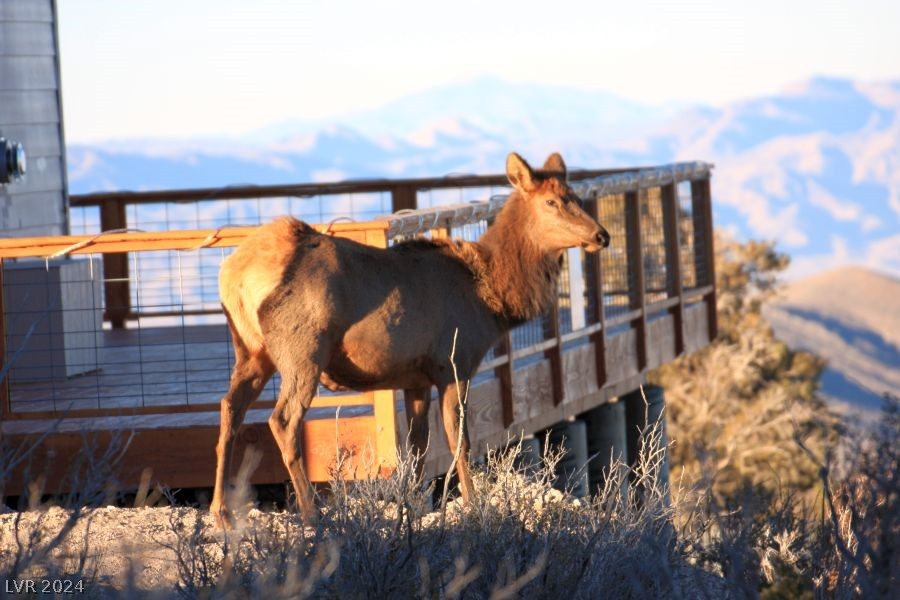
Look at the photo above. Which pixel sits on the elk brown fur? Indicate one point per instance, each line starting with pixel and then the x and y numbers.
pixel 318 308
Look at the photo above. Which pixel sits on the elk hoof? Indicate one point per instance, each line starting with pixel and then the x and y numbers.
pixel 224 518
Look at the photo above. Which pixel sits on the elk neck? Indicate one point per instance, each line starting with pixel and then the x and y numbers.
pixel 520 278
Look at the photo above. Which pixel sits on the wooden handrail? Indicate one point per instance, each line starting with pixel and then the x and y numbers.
pixel 236 192
pixel 226 237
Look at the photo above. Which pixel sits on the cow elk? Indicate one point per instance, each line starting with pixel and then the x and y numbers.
pixel 318 308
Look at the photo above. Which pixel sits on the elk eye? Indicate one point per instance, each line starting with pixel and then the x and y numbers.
pixel 551 202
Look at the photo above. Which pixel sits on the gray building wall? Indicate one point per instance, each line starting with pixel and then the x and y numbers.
pixel 31 113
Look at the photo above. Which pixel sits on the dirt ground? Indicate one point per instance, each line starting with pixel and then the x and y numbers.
pixel 126 547
pixel 137 548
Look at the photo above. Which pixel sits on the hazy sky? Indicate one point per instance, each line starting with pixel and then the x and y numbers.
pixel 208 67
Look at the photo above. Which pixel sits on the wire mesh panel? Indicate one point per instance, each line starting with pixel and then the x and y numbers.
pixel 172 283
pixel 702 245
pixel 471 232
pixel 564 293
pixel 212 213
pixel 62 357
pixel 431 198
pixel 686 235
pixel 617 277
pixel 84 220
pixel 654 244
pixel 176 349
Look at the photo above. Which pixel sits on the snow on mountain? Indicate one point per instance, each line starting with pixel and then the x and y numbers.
pixel 518 111
pixel 816 167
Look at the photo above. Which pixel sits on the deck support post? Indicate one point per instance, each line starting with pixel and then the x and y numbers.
pixel 571 436
pixel 606 441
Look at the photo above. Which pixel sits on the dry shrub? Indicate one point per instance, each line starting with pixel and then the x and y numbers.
pixel 518 537
pixel 862 529
pixel 736 406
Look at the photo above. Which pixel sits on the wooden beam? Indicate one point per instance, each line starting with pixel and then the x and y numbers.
pixel 327 401
pixel 193 239
pixel 315 189
pixel 185 457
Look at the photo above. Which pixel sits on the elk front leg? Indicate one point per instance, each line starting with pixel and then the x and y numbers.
pixel 453 400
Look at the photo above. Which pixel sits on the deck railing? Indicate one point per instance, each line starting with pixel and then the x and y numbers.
pixel 361 200
pixel 647 298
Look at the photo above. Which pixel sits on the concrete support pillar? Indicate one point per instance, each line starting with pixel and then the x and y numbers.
pixel 529 459
pixel 572 469
pixel 605 441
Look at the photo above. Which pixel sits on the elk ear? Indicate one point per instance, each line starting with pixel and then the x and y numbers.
pixel 555 165
pixel 519 173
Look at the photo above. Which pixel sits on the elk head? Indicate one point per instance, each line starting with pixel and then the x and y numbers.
pixel 555 213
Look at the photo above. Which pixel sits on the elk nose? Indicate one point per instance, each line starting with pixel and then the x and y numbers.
pixel 602 237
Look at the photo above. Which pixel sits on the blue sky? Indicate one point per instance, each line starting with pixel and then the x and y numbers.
pixel 190 68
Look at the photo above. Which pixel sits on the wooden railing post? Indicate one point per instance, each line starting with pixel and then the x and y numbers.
pixel 701 206
pixel 403 197
pixel 384 406
pixel 504 373
pixel 554 353
pixel 117 291
pixel 635 253
pixel 594 278
pixel 674 283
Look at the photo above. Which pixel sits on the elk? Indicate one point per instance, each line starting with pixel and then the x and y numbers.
pixel 324 309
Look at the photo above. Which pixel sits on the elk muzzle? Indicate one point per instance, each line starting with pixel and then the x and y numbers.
pixel 598 239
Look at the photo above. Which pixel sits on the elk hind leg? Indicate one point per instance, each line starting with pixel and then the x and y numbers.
pixel 457 434
pixel 417 401
pixel 299 384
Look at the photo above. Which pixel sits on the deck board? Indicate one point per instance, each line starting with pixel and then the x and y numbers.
pixel 189 365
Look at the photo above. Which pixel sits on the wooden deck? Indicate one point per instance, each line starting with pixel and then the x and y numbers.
pixel 179 446
pixel 644 301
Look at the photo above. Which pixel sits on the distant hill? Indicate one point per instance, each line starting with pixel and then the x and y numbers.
pixel 851 318
pixel 815 167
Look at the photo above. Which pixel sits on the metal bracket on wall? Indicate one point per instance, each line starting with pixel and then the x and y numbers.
pixel 12 161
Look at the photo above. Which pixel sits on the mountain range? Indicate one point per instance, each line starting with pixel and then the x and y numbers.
pixel 815 167
pixel 849 316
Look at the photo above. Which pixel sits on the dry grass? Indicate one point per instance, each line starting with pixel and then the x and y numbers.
pixel 519 537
